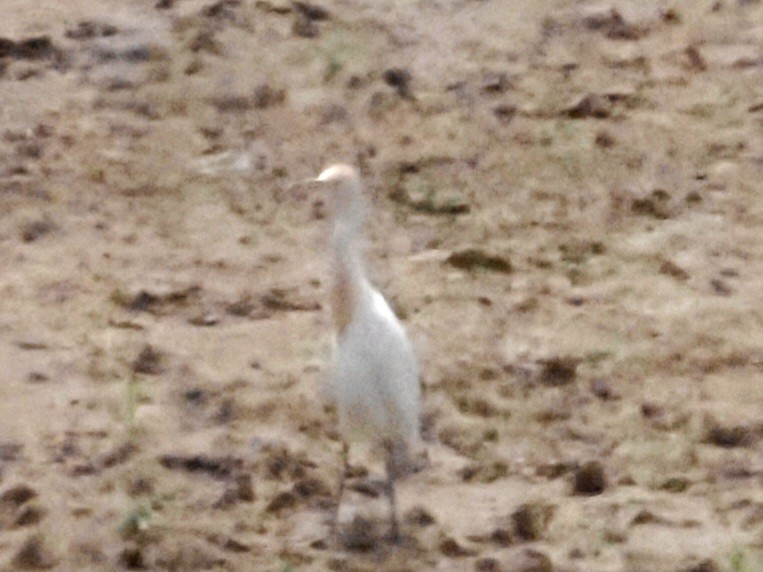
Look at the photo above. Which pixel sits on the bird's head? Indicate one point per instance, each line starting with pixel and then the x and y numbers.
pixel 345 198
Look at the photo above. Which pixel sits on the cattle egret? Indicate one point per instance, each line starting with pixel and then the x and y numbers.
pixel 376 382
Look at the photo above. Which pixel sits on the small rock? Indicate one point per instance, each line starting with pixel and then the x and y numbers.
pixel 590 479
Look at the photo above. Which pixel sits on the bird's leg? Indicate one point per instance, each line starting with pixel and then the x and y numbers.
pixel 340 486
pixel 390 489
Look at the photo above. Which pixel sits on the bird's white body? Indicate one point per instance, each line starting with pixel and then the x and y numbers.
pixel 375 375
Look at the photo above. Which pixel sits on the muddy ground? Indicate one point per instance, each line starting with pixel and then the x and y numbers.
pixel 566 214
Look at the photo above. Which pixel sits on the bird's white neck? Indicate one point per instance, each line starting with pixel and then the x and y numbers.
pixel 350 281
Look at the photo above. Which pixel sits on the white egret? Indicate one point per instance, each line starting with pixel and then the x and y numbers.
pixel 375 375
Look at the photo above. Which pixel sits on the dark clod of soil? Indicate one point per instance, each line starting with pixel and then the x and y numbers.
pixel 602 389
pixel 33 555
pixel 312 11
pixel 18 495
pixel 707 565
pixel 223 9
pixel 505 112
pixel 605 139
pixel 502 537
pixel 471 258
pixel 36 229
pixel 487 564
pixel 589 106
pixel 304 27
pixel 278 300
pixel 721 287
pixel 495 82
pixel 311 487
pixel 532 560
pixel 265 95
pixel 727 437
pixel 88 29
pixel 283 500
pixel 10 451
pixel 451 548
pixel 669 268
pixel 368 488
pixel 242 307
pixel 419 516
pixel 150 361
pixel 360 535
pixel 611 23
pixel 33 48
pixel 244 487
pixel 484 472
pixel 28 515
pixel 590 479
pixel 400 79
pixel 559 370
pixel 132 558
pixel 531 520
pixel 655 205
pixel 218 467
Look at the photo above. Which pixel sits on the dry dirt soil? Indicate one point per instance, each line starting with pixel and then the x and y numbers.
pixel 567 215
